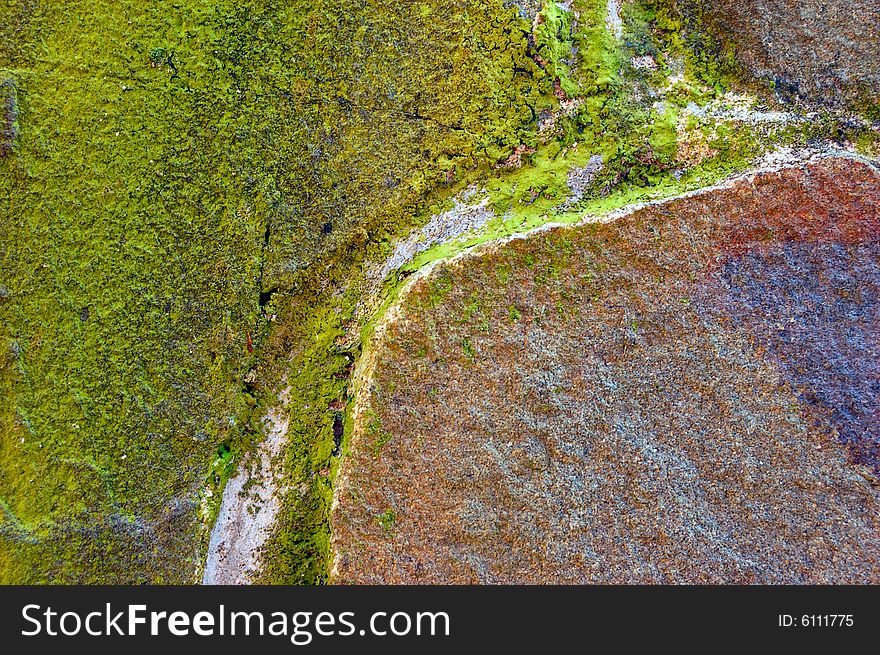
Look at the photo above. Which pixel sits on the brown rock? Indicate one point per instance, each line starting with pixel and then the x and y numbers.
pixel 687 394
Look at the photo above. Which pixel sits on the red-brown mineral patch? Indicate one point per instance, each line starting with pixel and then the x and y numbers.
pixel 686 394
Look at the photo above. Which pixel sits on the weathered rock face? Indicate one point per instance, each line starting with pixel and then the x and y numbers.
pixel 251 504
pixel 814 48
pixel 686 394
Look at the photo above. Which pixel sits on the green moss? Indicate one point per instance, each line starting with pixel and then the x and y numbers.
pixel 663 136
pixel 867 143
pixel 317 377
pixel 379 436
pixel 682 29
pixel 386 519
pixel 129 346
pixel 468 349
pixel 554 40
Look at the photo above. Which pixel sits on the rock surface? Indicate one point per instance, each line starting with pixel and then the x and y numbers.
pixel 204 206
pixel 688 393
pixel 812 48
pixel 467 215
pixel 250 507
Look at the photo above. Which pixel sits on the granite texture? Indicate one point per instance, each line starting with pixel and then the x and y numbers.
pixel 685 394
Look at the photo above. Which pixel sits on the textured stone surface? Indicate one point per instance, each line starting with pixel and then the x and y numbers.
pixel 196 202
pixel 686 394
pixel 814 48
pixel 251 502
pixel 469 212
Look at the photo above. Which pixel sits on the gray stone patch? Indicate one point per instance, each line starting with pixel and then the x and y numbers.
pixel 248 511
pixel 581 178
pixel 463 218
pixel 528 9
pixel 613 21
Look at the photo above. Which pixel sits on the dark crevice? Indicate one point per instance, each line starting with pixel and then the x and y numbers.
pixel 533 52
pixel 338 432
pixel 170 62
pixel 417 116
pixel 266 296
